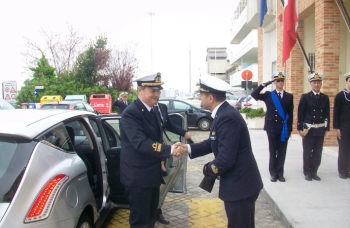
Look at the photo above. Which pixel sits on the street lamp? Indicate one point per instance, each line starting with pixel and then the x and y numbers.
pixel 151 14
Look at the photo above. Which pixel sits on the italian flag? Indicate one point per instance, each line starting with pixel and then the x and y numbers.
pixel 290 25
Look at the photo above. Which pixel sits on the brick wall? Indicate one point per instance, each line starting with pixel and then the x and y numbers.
pixel 327 51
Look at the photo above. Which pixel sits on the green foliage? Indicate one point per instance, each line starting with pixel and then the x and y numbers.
pixel 252 113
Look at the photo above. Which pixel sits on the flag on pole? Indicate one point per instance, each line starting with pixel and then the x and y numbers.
pixel 263 11
pixel 290 25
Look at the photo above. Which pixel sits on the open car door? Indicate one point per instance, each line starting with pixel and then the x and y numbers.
pixel 107 129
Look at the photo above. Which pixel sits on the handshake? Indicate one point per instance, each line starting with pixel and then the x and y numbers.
pixel 179 149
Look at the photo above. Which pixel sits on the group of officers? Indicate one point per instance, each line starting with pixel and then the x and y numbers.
pixel 313 124
pixel 143 148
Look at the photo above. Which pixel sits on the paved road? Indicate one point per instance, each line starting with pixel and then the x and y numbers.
pixel 198 208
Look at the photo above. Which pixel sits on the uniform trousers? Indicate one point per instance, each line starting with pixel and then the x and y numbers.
pixel 278 151
pixel 344 151
pixel 312 147
pixel 241 213
pixel 143 206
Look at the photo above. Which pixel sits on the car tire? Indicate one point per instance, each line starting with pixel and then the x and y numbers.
pixel 84 222
pixel 204 124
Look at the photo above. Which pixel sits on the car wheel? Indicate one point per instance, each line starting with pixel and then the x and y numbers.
pixel 204 124
pixel 84 222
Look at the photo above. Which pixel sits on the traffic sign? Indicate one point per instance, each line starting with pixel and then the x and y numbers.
pixel 35 92
pixel 247 75
pixel 9 91
pixel 39 87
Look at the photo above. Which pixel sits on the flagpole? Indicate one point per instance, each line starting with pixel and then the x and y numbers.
pixel 301 47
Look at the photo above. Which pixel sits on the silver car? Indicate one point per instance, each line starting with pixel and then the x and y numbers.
pixel 60 168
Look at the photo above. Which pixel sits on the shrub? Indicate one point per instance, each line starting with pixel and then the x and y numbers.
pixel 252 113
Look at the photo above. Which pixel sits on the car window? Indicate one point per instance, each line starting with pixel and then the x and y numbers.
pixel 181 106
pixel 79 106
pixel 55 106
pixel 111 128
pixel 59 137
pixel 165 102
pixel 5 105
pixel 89 108
pixel 14 157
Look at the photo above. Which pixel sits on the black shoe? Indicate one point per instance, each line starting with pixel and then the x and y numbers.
pixel 282 179
pixel 315 177
pixel 162 220
pixel 343 176
pixel 273 179
pixel 308 178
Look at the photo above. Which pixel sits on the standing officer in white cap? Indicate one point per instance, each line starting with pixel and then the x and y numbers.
pixel 234 162
pixel 121 102
pixel 313 122
pixel 341 122
pixel 278 122
pixel 142 151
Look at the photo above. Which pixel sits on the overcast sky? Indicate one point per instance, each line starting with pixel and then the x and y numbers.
pixel 176 29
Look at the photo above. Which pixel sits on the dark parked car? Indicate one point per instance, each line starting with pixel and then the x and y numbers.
pixel 71 105
pixel 197 118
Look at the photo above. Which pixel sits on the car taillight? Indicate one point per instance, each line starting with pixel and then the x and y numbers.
pixel 249 104
pixel 71 107
pixel 41 207
pixel 238 103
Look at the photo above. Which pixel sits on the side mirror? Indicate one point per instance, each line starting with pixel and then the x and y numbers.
pixel 190 110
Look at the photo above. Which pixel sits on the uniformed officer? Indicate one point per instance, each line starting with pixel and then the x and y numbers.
pixel 142 150
pixel 121 102
pixel 278 122
pixel 341 122
pixel 313 122
pixel 234 162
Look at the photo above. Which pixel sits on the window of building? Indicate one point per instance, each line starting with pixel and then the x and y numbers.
pixel 312 61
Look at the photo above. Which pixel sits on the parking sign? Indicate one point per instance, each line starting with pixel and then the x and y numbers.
pixel 9 91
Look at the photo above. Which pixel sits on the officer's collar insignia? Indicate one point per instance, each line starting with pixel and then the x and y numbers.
pixel 142 110
pixel 214 169
pixel 157 147
pixel 212 133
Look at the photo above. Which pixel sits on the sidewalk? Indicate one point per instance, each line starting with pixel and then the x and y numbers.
pixel 300 203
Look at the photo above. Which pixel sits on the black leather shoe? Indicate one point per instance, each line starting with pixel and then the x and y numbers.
pixel 342 176
pixel 273 179
pixel 308 178
pixel 162 220
pixel 282 179
pixel 315 177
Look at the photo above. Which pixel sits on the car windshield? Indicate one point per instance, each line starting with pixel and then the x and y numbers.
pixel 4 105
pixel 14 157
pixel 55 106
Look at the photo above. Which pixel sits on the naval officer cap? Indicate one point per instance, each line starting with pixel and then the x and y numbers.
pixel 278 75
pixel 346 76
pixel 152 81
pixel 212 84
pixel 315 77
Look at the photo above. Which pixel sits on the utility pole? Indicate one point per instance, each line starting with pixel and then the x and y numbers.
pixel 151 14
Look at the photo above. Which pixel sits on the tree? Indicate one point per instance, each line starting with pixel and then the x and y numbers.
pixel 90 65
pixel 63 50
pixel 122 67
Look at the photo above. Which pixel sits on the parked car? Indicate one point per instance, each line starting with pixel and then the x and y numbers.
pixel 246 102
pixel 4 105
pixel 196 117
pixel 231 99
pixel 60 168
pixel 77 97
pixel 71 105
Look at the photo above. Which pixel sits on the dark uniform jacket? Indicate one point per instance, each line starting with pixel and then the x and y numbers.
pixel 341 111
pixel 120 104
pixel 273 121
pixel 313 111
pixel 167 124
pixel 141 148
pixel 234 160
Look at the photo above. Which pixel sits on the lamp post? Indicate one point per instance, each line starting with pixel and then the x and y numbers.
pixel 151 14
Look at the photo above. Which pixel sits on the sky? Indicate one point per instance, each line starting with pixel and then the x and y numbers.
pixel 173 41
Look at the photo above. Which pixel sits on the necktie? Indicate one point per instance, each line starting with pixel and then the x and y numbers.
pixel 157 114
pixel 317 96
pixel 279 95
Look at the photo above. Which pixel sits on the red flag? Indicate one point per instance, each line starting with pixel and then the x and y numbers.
pixel 290 25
